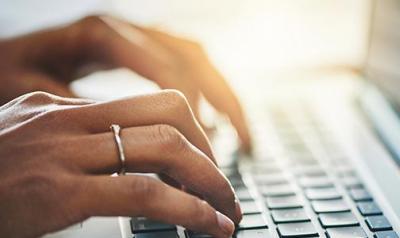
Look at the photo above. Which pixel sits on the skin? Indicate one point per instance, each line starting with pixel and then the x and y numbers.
pixel 49 60
pixel 57 152
pixel 57 155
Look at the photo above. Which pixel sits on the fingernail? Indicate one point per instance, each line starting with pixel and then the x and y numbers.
pixel 225 223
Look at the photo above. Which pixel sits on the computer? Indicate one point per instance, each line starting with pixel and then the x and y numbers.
pixel 326 164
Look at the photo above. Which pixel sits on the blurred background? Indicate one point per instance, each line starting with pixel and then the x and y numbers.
pixel 256 44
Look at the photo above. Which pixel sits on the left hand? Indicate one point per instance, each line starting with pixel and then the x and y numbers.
pixel 49 60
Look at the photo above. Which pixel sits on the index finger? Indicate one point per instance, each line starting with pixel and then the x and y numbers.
pixel 144 196
pixel 211 83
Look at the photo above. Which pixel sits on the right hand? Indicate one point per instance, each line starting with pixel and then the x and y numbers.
pixel 57 154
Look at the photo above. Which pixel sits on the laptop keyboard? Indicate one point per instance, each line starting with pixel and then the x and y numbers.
pixel 308 190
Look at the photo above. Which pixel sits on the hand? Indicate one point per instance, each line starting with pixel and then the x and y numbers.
pixel 56 155
pixel 49 60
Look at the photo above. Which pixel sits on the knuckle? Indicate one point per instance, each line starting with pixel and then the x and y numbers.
pixel 203 211
pixel 38 98
pixel 177 102
pixel 175 96
pixel 143 187
pixel 36 183
pixel 171 139
pixel 91 21
pixel 143 190
pixel 92 31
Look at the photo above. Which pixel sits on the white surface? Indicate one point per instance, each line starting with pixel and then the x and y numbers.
pixel 92 228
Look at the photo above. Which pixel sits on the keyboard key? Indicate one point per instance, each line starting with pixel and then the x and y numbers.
pixel 304 160
pixel 193 234
pixel 285 202
pixel 277 190
pixel 338 219
pixel 351 181
pixel 344 170
pixel 368 208
pixel 322 193
pixel 253 221
pixel 360 194
pixel 249 207
pixel 386 234
pixel 300 229
pixel 290 215
pixel 270 179
pixel 236 182
pixel 158 234
pixel 329 206
pixel 264 233
pixel 346 232
pixel 315 182
pixel 309 171
pixel 230 171
pixel 378 223
pixel 142 224
pixel 265 168
pixel 243 194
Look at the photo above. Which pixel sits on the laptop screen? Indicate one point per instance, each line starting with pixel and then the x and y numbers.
pixel 383 63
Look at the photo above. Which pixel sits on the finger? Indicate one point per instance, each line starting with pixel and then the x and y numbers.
pixel 155 149
pixel 114 43
pixel 145 196
pixel 27 81
pixel 212 84
pixel 167 107
pixel 230 106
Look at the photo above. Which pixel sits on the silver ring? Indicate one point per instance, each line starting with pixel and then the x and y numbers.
pixel 116 129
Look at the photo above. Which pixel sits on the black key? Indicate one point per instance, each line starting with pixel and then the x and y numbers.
pixel 338 219
pixel 290 215
pixel 243 194
pixel 249 207
pixel 142 224
pixel 346 232
pixel 236 181
pixel 368 208
pixel 329 206
pixel 283 202
pixel 277 190
pixel 322 193
pixel 252 221
pixel 360 194
pixel 315 182
pixel 158 234
pixel 300 229
pixel 264 233
pixel 386 234
pixel 378 223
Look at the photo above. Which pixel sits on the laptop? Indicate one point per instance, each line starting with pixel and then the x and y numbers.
pixel 326 160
